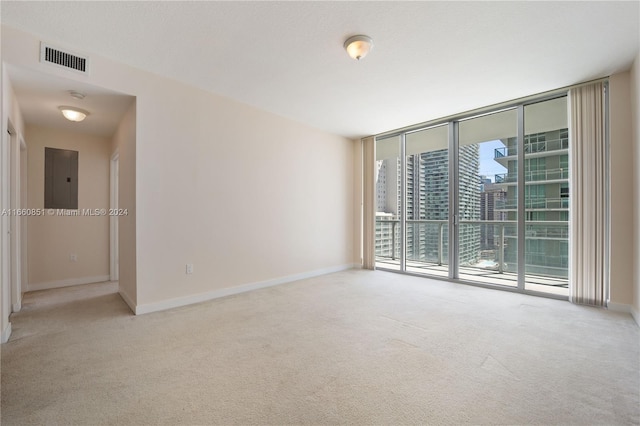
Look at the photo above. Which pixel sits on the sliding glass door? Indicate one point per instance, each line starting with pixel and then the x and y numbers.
pixel 427 206
pixel 389 235
pixel 487 231
pixel 482 198
pixel 546 159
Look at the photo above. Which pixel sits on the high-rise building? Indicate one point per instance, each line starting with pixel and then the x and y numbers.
pixel 388 181
pixel 427 194
pixel 468 204
pixel 491 196
pixel 427 200
pixel 546 201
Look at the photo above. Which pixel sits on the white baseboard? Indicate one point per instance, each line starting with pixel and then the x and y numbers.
pixel 6 333
pixel 627 309
pixel 619 307
pixel 16 307
pixel 127 300
pixel 215 294
pixel 66 283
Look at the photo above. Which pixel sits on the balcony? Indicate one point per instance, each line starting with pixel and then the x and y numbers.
pixel 534 204
pixel 488 252
pixel 547 230
pixel 532 148
pixel 537 176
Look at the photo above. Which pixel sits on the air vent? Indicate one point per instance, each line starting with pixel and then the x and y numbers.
pixel 64 59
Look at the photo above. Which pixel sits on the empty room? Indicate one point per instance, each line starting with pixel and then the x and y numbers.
pixel 312 212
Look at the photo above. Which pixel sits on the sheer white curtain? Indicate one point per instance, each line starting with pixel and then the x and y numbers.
pixel 368 200
pixel 588 189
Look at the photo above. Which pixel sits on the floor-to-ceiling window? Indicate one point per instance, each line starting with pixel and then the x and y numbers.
pixel 546 154
pixel 427 205
pixel 481 198
pixel 486 181
pixel 388 201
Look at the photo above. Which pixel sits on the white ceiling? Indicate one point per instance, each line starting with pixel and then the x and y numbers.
pixel 430 59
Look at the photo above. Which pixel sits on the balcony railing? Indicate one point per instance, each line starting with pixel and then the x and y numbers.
pixel 533 147
pixel 534 176
pixel 533 204
pixel 427 242
pixel 547 230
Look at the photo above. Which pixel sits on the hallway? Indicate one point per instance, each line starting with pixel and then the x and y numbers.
pixel 48 312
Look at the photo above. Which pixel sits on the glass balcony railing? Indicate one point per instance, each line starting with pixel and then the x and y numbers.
pixel 534 176
pixel 504 152
pixel 388 238
pixel 489 246
pixel 533 147
pixel 547 230
pixel 534 204
pixel 505 178
pixel 545 146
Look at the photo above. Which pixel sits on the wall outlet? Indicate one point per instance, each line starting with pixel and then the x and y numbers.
pixel 189 268
pixel 73 257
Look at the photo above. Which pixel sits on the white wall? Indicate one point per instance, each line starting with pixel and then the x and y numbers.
pixel 246 196
pixel 635 115
pixel 621 151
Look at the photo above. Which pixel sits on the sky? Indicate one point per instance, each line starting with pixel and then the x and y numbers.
pixel 488 166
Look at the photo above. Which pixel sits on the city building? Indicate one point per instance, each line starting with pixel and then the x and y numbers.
pixel 546 201
pixel 490 196
pixel 427 203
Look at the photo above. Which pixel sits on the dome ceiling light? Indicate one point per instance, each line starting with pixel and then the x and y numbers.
pixel 73 113
pixel 358 46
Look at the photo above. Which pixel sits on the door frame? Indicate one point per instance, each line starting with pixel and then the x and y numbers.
pixel 17 149
pixel 114 263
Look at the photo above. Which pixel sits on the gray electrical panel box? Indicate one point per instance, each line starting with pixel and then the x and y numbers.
pixel 60 179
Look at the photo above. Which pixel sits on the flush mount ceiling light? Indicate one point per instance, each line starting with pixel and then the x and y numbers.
pixel 358 46
pixel 73 113
pixel 77 95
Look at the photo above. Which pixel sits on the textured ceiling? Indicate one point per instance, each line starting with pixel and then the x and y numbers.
pixel 430 59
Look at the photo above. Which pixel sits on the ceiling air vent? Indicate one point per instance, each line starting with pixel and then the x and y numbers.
pixel 64 59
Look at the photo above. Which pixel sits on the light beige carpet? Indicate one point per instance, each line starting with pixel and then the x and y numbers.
pixel 356 347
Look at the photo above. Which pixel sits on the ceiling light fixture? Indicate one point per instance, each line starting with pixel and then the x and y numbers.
pixel 77 95
pixel 358 46
pixel 73 113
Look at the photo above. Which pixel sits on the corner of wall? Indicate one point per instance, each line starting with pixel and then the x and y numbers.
pixel 128 300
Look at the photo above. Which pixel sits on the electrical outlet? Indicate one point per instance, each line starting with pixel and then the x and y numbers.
pixel 189 268
pixel 73 257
